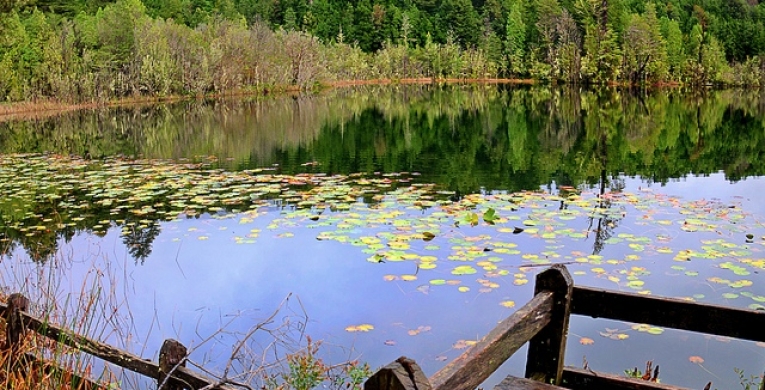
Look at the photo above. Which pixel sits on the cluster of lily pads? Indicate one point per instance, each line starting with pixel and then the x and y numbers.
pixel 49 197
pixel 495 235
pixel 473 242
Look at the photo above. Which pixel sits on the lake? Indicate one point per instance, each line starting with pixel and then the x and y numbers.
pixel 400 220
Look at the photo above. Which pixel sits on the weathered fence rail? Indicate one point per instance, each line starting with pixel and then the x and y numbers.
pixel 172 355
pixel 543 323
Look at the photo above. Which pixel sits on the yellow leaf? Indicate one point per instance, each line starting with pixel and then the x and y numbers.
pixel 359 328
pixel 586 341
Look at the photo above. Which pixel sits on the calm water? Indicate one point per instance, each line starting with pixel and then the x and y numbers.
pixel 681 175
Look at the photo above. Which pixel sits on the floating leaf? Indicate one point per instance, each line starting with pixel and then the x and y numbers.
pixel 398 245
pixel 359 328
pixel 655 330
pixel 586 341
pixel 471 218
pixel 490 216
pixel 464 270
pixel 741 283
pixel 636 284
pixel 508 304
pixel 696 359
pixel 420 329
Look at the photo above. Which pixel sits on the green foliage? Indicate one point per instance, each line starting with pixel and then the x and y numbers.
pixel 602 57
pixel 306 371
pixel 670 30
pixel 11 5
pixel 645 57
pixel 78 51
pixel 751 383
pixel 459 18
pixel 515 40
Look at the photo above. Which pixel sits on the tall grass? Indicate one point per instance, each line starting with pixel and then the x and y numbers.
pixel 275 353
pixel 89 309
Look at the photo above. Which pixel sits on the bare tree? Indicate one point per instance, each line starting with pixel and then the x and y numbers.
pixel 303 55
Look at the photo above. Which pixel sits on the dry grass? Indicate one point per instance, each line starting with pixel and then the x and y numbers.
pixel 274 353
pixel 36 362
pixel 87 307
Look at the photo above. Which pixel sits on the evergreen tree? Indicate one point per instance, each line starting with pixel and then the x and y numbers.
pixel 461 18
pixel 290 20
pixel 673 37
pixel 600 63
pixel 543 61
pixel 515 40
pixel 645 49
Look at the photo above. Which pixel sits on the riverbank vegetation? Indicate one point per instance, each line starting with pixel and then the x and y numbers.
pixel 76 51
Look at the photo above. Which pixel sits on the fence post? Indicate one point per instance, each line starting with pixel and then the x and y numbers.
pixel 402 374
pixel 546 350
pixel 14 326
pixel 171 353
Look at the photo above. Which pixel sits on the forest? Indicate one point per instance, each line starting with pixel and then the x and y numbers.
pixel 95 51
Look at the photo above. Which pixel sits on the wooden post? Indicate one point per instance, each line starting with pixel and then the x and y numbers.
pixel 402 374
pixel 477 363
pixel 14 326
pixel 170 355
pixel 546 350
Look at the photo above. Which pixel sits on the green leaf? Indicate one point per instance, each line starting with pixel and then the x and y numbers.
pixel 489 216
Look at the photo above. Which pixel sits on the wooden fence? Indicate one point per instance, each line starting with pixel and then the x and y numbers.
pixel 170 373
pixel 543 323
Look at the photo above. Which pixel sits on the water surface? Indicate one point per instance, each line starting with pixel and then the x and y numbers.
pixel 652 192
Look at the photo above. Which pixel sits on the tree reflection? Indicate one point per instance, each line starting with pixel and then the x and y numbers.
pixel 463 139
pixel 138 240
pixel 607 219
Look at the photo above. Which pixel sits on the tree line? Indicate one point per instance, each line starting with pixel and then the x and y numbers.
pixel 77 50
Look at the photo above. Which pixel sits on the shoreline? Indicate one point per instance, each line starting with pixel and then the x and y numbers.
pixel 48 108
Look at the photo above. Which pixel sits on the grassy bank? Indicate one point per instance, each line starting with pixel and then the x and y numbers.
pixel 46 108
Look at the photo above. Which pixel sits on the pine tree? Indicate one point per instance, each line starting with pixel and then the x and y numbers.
pixel 670 30
pixel 515 40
